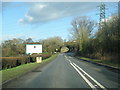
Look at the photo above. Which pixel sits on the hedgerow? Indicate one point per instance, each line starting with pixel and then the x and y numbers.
pixel 10 62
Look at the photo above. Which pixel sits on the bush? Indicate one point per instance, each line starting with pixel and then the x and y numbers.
pixel 10 62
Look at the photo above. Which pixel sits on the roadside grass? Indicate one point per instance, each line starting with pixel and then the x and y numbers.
pixel 11 73
pixel 105 62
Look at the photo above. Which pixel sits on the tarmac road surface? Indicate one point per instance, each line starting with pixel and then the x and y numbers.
pixel 68 72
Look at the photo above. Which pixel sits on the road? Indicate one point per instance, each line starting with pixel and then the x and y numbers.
pixel 67 72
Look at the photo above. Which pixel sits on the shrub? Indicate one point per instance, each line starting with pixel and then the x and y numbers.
pixel 10 62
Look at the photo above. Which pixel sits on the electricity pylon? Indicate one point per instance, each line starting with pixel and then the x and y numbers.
pixel 101 14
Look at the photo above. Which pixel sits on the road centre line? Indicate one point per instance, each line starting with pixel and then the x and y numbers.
pixel 101 86
pixel 65 56
pixel 68 60
pixel 83 73
pixel 97 83
pixel 87 81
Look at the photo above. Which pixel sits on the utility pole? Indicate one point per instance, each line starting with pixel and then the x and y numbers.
pixel 101 14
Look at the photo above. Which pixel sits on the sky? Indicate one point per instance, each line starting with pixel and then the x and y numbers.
pixel 41 20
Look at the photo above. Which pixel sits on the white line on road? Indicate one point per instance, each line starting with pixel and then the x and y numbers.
pixel 68 59
pixel 79 70
pixel 88 82
pixel 65 56
pixel 101 86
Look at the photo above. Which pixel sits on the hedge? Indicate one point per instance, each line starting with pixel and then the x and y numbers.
pixel 10 62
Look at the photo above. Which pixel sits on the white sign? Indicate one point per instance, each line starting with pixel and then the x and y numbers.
pixel 33 48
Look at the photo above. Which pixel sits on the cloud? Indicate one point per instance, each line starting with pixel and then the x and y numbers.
pixel 45 12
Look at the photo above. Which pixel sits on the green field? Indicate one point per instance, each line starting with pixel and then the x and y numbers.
pixel 11 73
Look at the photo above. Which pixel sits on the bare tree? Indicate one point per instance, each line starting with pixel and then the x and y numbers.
pixel 81 30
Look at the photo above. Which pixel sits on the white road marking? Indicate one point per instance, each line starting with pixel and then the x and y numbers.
pixel 70 57
pixel 77 68
pixel 88 82
pixel 65 56
pixel 95 85
pixel 69 61
pixel 91 77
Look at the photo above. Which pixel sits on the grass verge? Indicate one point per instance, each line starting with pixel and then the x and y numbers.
pixel 105 62
pixel 11 73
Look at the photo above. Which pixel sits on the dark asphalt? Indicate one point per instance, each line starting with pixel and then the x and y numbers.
pixel 61 74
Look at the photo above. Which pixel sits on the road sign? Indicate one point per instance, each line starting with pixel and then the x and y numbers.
pixel 33 48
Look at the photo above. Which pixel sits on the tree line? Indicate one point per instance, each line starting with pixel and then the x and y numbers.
pixel 104 44
pixel 17 47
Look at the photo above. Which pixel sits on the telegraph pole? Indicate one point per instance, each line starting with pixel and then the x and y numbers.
pixel 101 14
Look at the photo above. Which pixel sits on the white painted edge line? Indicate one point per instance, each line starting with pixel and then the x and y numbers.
pixel 88 82
pixel 91 77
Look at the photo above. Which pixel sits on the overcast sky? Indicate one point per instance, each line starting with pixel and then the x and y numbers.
pixel 40 20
